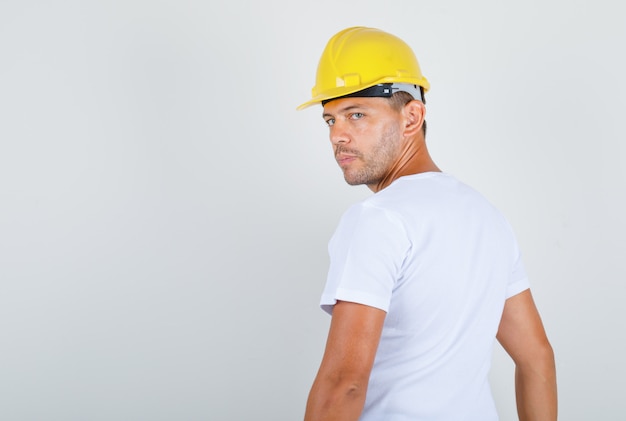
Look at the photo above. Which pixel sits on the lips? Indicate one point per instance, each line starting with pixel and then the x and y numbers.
pixel 345 156
pixel 345 159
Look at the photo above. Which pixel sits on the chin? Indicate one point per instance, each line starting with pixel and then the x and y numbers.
pixel 353 181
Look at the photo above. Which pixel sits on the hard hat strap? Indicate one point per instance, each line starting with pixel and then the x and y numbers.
pixel 417 92
pixel 385 90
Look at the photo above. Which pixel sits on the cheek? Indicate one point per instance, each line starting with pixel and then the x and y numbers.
pixel 369 134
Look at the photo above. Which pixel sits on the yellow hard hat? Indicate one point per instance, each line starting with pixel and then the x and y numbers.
pixel 358 58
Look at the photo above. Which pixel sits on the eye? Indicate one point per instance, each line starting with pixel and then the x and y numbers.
pixel 330 122
pixel 357 116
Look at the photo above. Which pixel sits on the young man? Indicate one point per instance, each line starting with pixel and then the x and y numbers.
pixel 424 274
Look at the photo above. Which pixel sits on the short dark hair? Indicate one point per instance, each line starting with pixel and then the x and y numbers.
pixel 400 99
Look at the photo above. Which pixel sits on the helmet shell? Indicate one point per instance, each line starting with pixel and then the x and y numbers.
pixel 358 58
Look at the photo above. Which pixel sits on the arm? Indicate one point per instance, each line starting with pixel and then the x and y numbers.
pixel 338 392
pixel 522 335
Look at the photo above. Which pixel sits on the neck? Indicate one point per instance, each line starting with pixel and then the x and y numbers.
pixel 414 159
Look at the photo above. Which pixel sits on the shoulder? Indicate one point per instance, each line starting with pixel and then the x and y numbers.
pixel 370 217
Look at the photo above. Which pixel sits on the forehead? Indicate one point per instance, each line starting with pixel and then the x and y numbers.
pixel 337 106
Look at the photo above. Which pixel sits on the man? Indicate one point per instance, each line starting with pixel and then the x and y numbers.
pixel 424 274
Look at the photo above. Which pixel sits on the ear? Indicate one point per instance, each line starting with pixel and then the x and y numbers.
pixel 414 113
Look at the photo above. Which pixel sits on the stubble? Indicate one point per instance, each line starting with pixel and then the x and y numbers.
pixel 376 163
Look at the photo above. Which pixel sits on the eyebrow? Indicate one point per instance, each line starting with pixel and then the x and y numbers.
pixel 344 109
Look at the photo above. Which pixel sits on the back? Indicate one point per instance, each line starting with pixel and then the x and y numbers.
pixel 441 261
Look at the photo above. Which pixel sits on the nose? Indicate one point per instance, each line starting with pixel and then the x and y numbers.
pixel 338 133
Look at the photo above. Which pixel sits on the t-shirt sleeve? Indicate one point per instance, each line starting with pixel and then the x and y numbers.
pixel 518 280
pixel 366 252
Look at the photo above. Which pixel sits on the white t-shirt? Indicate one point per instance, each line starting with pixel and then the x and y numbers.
pixel 441 261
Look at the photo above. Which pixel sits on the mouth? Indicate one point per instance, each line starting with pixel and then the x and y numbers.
pixel 344 159
pixel 345 156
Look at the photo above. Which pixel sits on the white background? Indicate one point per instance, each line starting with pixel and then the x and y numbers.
pixel 164 210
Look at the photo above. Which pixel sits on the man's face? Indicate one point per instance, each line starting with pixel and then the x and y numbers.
pixel 366 134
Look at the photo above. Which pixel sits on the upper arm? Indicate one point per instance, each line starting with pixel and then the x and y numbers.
pixel 521 332
pixel 353 338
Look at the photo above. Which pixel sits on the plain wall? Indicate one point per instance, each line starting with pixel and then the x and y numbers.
pixel 164 210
